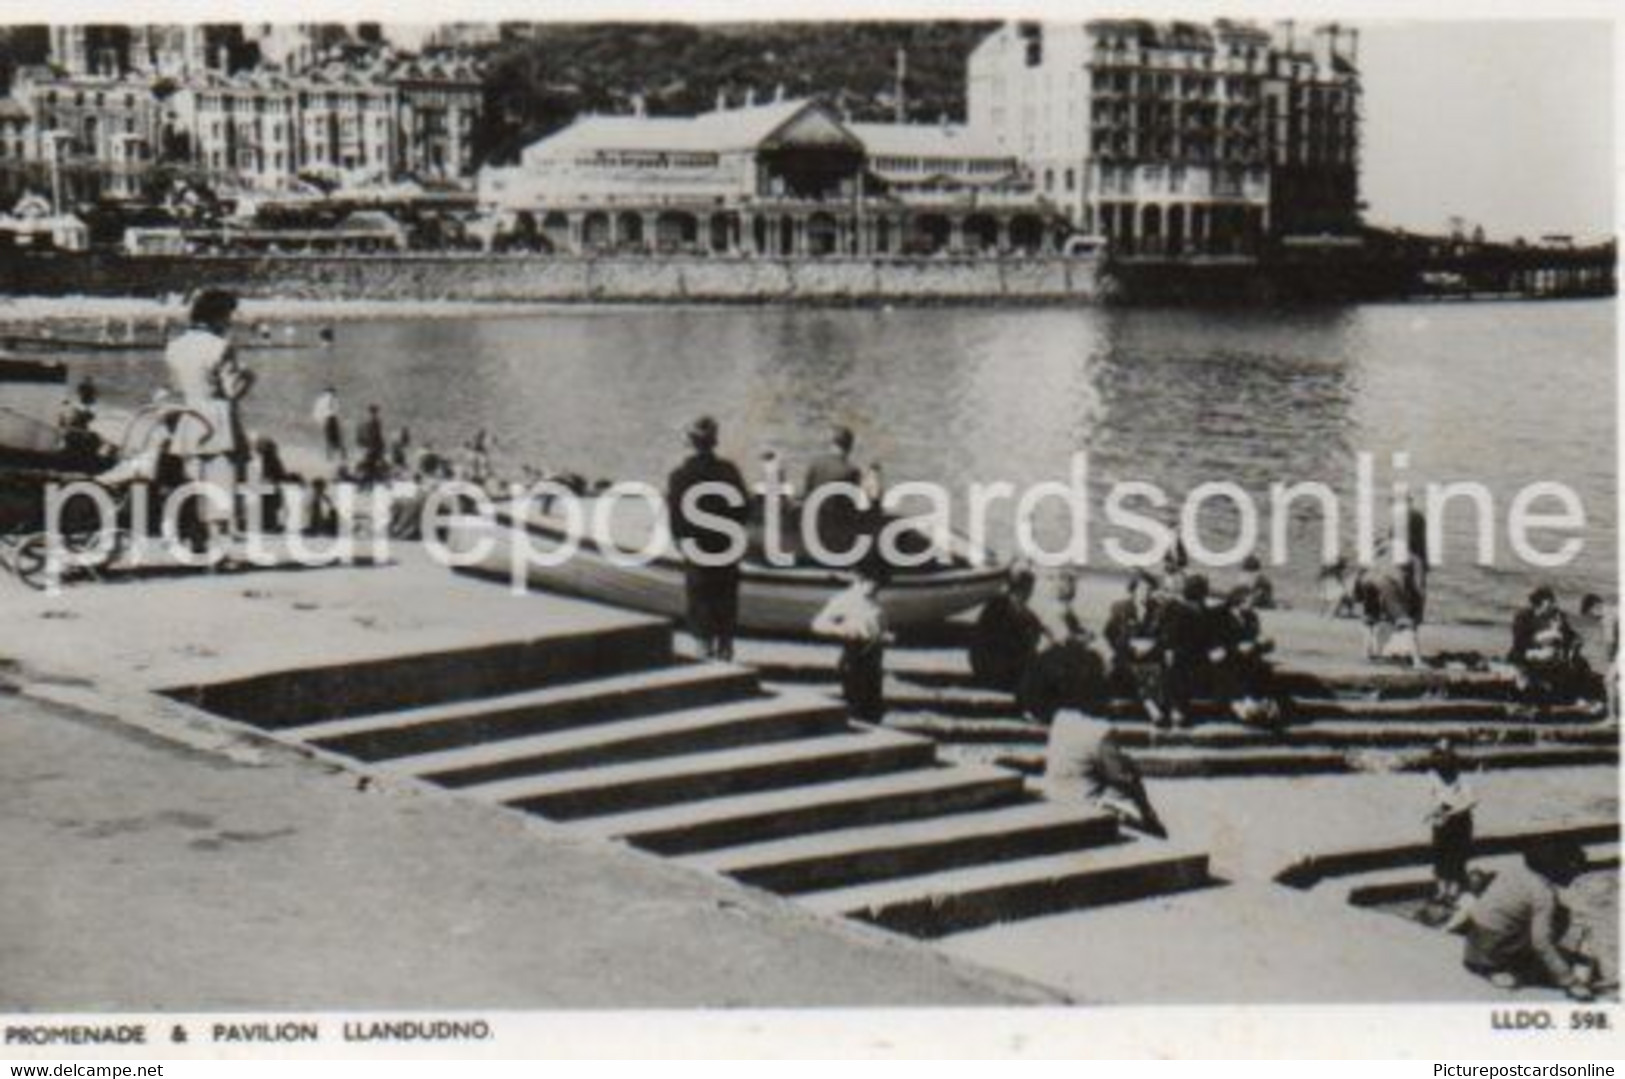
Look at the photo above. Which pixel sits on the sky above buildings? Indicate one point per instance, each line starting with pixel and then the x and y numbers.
pixel 1507 124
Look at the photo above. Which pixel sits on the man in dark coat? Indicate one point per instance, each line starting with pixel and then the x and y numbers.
pixel 1007 634
pixel 838 517
pixel 713 587
pixel 1188 631
pixel 369 437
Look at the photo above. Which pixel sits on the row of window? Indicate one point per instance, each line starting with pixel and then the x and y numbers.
pixel 81 98
pixel 981 166
pixel 648 159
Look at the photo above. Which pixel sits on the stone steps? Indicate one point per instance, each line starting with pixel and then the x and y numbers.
pixel 875 852
pixel 754 721
pixel 1185 762
pixel 618 788
pixel 1409 883
pixel 307 695
pixel 444 728
pixel 970 702
pixel 1233 735
pixel 614 736
pixel 1345 865
pixel 956 900
pixel 922 794
pixel 1300 676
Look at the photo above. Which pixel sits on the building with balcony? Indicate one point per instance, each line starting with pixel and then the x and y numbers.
pixel 787 178
pixel 335 123
pixel 90 136
pixel 1177 138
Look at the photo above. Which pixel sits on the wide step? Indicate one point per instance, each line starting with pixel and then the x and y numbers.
pixel 961 899
pixel 851 856
pixel 553 708
pixel 294 698
pixel 590 792
pixel 757 818
pixel 750 722
pixel 1339 734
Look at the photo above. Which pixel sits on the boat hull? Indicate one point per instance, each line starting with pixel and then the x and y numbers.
pixel 773 602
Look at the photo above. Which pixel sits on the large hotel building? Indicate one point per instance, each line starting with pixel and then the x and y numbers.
pixel 1179 138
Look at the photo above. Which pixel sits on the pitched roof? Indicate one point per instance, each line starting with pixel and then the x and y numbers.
pixel 712 132
pixel 926 140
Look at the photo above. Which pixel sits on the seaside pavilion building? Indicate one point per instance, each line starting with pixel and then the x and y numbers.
pixel 1179 138
pixel 783 179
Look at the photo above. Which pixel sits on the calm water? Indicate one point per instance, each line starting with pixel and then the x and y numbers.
pixel 1502 393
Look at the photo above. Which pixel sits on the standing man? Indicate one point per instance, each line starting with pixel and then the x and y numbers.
pixel 711 572
pixel 326 414
pixel 206 374
pixel 1416 562
pixel 374 447
pixel 837 521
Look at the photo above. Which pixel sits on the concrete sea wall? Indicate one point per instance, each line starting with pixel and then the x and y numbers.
pixel 1053 279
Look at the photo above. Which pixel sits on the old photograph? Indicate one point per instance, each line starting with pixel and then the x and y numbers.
pixel 1084 511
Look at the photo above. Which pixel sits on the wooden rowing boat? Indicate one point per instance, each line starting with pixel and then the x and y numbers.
pixel 774 600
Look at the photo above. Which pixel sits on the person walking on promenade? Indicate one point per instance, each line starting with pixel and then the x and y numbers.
pixel 1451 818
pixel 1386 606
pixel 205 373
pixel 326 414
pixel 1084 762
pixel 711 570
pixel 400 452
pixel 1516 930
pixel 374 448
pixel 856 619
pixel 836 522
pixel 1415 564
pixel 1133 629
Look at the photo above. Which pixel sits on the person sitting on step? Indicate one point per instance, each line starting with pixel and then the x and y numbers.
pixel 1546 652
pixel 1084 762
pixel 1006 634
pixel 1132 630
pixel 1064 672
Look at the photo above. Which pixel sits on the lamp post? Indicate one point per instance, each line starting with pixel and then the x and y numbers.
pixel 57 138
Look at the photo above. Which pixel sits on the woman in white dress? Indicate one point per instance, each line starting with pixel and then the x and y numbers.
pixel 204 371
